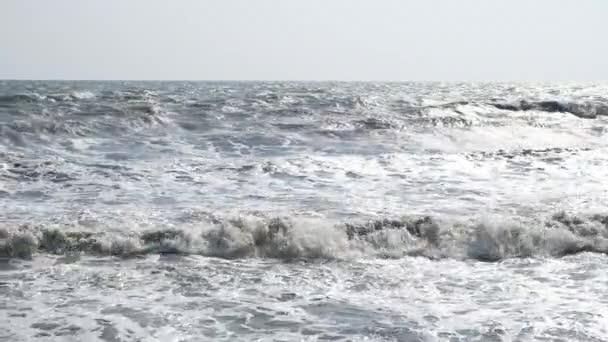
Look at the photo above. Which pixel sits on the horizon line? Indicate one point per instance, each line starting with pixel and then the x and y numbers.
pixel 294 80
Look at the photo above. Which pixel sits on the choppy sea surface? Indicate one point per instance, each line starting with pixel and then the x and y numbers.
pixel 284 211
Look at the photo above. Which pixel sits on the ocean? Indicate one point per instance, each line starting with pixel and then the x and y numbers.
pixel 314 211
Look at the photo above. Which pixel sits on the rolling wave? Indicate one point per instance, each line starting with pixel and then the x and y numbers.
pixel 293 238
pixel 586 110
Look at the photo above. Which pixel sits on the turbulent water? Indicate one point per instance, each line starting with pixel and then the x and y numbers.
pixel 173 211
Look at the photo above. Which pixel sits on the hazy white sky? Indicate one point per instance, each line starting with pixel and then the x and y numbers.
pixel 304 39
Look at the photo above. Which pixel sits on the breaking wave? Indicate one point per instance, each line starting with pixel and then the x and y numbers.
pixel 291 238
pixel 586 110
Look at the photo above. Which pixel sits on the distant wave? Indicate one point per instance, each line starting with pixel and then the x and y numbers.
pixel 35 97
pixel 16 98
pixel 586 110
pixel 276 103
pixel 294 238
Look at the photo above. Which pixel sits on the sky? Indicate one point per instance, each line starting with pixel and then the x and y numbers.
pixel 382 40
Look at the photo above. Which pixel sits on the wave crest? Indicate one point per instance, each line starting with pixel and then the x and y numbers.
pixel 586 110
pixel 293 238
